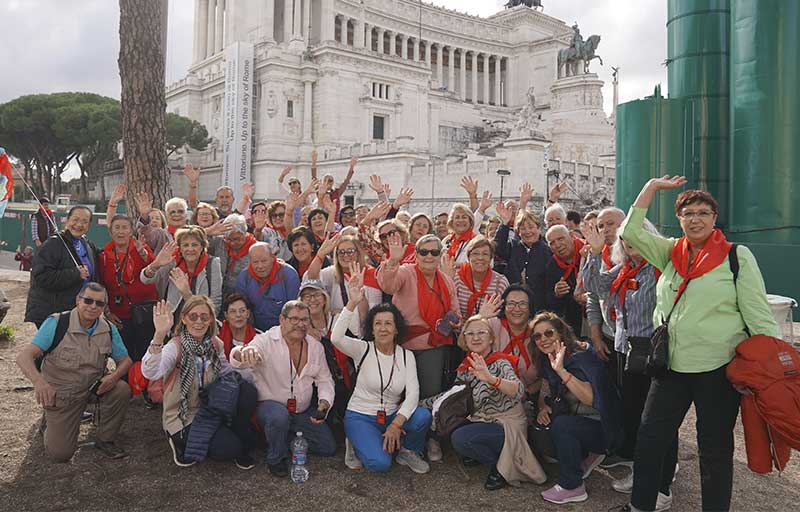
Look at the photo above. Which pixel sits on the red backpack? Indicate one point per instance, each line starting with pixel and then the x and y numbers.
pixel 770 368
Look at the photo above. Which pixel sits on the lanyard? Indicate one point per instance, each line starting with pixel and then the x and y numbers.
pixel 118 270
pixel 293 375
pixel 380 372
pixel 200 362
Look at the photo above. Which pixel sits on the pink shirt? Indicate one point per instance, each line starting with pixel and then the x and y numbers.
pixel 273 377
pixel 401 283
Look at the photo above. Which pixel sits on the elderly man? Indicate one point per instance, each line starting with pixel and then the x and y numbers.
pixel 287 363
pixel 223 198
pixel 561 275
pixel 440 228
pixel 73 348
pixel 233 251
pixel 555 215
pixel 268 283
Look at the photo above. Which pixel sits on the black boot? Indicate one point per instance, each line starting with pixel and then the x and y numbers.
pixel 494 480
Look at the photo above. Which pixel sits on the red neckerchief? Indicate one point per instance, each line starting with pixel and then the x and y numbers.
pixel 233 257
pixel 713 253
pixel 607 257
pixel 576 257
pixel 128 273
pixel 201 264
pixel 433 305
pixel 409 255
pixel 47 211
pixel 302 268
pixel 271 279
pixel 226 335
pixel 280 230
pixel 465 274
pixel 172 229
pixel 625 281
pixel 494 356
pixel 370 278
pixel 517 342
pixel 456 241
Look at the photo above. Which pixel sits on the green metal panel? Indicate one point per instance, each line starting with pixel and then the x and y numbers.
pixel 652 138
pixel 16 226
pixel 698 35
pixel 765 134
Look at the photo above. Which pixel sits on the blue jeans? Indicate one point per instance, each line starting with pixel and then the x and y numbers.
pixel 575 437
pixel 366 436
pixel 280 427
pixel 480 441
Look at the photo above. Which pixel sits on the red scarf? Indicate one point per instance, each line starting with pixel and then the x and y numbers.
pixel 226 336
pixel 370 278
pixel 281 230
pixel 576 258
pixel 465 274
pixel 457 240
pixel 607 257
pixel 302 268
pixel 233 257
pixel 517 342
pixel 47 211
pixel 201 264
pixel 409 256
pixel 494 356
pixel 433 305
pixel 172 229
pixel 713 253
pixel 110 254
pixel 271 279
pixel 625 281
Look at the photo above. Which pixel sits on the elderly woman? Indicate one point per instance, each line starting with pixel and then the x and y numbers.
pixel 578 404
pixel 232 251
pixel 120 265
pixel 304 247
pixel 555 215
pixel 158 219
pixel 427 298
pixel 190 363
pixel 61 266
pixel 273 231
pixel 419 226
pixel 158 237
pixel 394 230
pixel 382 416
pixel 463 226
pixel 236 329
pixel 497 432
pixel 698 296
pixel 205 215
pixel 346 252
pixel 184 268
pixel 475 280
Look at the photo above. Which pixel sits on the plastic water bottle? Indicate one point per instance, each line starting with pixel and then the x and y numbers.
pixel 299 449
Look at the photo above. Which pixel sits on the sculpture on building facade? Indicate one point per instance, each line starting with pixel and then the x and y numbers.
pixel 579 50
pixel 527 119
pixel 527 3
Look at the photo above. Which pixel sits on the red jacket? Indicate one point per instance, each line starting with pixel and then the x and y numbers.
pixel 770 368
pixel 129 269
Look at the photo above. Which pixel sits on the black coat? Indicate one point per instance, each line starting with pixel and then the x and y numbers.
pixel 518 258
pixel 566 307
pixel 55 281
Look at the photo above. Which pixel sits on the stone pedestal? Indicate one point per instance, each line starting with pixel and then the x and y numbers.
pixel 576 123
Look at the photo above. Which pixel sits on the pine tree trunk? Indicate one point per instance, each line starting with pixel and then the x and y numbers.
pixel 141 70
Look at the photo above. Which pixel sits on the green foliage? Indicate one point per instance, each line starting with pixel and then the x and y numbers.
pixel 6 332
pixel 182 131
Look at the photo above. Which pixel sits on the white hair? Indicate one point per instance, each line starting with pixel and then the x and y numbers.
pixel 618 254
pixel 429 238
pixel 259 245
pixel 557 227
pixel 556 207
pixel 612 209
pixel 176 201
pixel 238 222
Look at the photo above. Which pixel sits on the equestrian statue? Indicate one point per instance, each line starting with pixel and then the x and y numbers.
pixel 578 51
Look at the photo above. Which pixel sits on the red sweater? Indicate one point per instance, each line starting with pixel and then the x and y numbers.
pixel 129 270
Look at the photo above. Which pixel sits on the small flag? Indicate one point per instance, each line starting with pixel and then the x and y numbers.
pixel 6 181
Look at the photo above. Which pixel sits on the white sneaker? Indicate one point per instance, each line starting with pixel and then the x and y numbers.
pixel 434 450
pixel 675 475
pixel 413 460
pixel 350 457
pixel 623 485
pixel 663 502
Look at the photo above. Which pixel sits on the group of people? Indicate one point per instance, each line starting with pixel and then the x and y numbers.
pixel 354 324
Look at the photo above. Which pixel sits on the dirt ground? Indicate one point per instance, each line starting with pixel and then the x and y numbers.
pixel 148 479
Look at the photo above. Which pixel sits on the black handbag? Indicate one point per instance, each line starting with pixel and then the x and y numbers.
pixel 658 357
pixel 455 410
pixel 638 349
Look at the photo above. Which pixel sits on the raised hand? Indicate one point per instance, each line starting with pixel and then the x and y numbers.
pixel 387 189
pixel 181 281
pixel 312 187
pixel 144 204
pixel 353 161
pixel 292 201
pixel 119 193
pixel 448 265
pixel 486 201
pixel 557 357
pixel 525 194
pixel 285 172
pixel 478 367
pixel 162 319
pixel 404 198
pixel 470 185
pixel 375 183
pixel 248 189
pixel 166 254
pixel 396 249
pixel 593 236
pixel 329 244
pixel 218 228
pixel 378 212
pixel 491 307
pixel 259 220
pixel 556 191
pixel 328 204
pixel 355 285
pixel 192 174
pixel 667 182
pixel 503 211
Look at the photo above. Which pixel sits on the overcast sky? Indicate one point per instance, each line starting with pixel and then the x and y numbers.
pixel 72 45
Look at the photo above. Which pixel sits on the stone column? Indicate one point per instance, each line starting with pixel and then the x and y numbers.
pixel 269 20
pixel 428 53
pixel 392 44
pixel 415 57
pixel 439 63
pixel 219 36
pixel 210 27
pixel 462 61
pixel 474 77
pixel 328 20
pixel 486 91
pixel 307 113
pixel 343 31
pixel 200 29
pixel 288 16
pixel 307 21
pixel 404 47
pixel 368 36
pixel 451 64
pixel 297 26
pixel 381 32
pixel 358 33
pixel 498 97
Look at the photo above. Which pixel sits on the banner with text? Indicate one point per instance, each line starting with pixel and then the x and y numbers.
pixel 238 116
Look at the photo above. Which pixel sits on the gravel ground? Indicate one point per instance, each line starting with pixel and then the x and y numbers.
pixel 148 480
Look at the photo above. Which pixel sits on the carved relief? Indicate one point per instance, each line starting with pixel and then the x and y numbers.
pixel 272 104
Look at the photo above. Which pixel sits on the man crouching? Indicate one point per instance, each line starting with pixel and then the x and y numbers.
pixel 72 374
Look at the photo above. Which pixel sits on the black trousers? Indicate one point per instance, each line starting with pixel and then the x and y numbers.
pixel 717 406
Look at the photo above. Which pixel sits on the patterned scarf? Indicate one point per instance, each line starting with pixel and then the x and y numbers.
pixel 191 349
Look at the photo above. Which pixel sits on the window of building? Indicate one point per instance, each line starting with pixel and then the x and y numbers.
pixel 378 127
pixel 290 109
pixel 380 91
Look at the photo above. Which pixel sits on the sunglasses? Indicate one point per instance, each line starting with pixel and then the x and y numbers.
pixel 432 252
pixel 277 215
pixel 391 232
pixel 346 252
pixel 193 317
pixel 549 333
pixel 89 302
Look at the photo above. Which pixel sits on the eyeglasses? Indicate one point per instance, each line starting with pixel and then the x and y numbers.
pixel 549 333
pixel 512 304
pixel 391 232
pixel 203 317
pixel 349 213
pixel 177 212
pixel 89 302
pixel 432 252
pixel 276 215
pixel 298 319
pixel 311 296
pixel 702 215
pixel 476 334
pixel 346 252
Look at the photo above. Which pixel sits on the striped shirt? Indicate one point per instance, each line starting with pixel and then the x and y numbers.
pixel 497 285
pixel 639 303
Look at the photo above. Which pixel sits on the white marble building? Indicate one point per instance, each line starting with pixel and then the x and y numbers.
pixel 421 93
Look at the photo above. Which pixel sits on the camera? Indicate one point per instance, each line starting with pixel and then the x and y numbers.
pixel 95 386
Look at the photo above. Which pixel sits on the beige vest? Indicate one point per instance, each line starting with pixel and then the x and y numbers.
pixel 78 361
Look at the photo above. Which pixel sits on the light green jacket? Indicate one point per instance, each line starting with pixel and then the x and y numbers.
pixel 709 319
